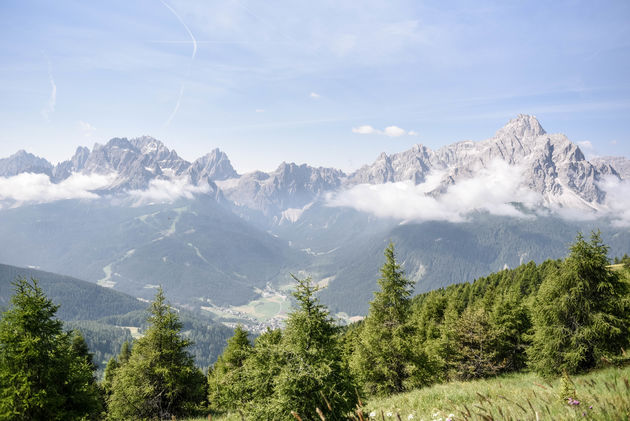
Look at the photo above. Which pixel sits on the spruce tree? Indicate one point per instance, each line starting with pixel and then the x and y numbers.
pixel 581 314
pixel 159 380
pixel 314 374
pixel 385 360
pixel 227 388
pixel 476 342
pixel 43 374
pixel 261 370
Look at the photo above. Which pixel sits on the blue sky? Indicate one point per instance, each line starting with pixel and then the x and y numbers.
pixel 268 81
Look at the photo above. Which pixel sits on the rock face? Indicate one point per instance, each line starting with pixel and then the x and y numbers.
pixel 21 162
pixel 214 165
pixel 289 186
pixel 135 163
pixel 618 164
pixel 551 166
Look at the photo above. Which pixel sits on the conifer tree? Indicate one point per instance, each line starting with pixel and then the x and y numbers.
pixel 511 322
pixel 261 370
pixel 227 388
pixel 581 313
pixel 112 365
pixel 159 380
pixel 314 374
pixel 476 341
pixel 43 374
pixel 385 360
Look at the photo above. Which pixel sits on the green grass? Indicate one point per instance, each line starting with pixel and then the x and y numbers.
pixel 510 397
pixel 515 396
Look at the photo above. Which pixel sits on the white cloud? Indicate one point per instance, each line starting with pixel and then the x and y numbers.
pixel 87 129
pixel 391 131
pixel 493 190
pixel 364 130
pixel 617 200
pixel 315 95
pixel 413 133
pixel 37 188
pixel 586 145
pixel 260 110
pixel 394 131
pixel 166 191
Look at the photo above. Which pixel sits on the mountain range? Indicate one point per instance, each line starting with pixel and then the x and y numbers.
pixel 132 214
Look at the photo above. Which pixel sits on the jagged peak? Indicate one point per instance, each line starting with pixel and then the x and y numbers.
pixel 119 142
pixel 147 144
pixel 522 126
pixel 23 154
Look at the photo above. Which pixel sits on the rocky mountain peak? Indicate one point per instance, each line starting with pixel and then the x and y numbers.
pixel 23 161
pixel 215 165
pixel 521 127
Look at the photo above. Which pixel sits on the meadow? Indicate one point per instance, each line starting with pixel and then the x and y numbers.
pixel 600 395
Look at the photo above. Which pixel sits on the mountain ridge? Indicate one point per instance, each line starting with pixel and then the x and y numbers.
pixel 554 167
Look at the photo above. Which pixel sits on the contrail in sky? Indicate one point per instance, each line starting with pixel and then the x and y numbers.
pixel 52 100
pixel 192 57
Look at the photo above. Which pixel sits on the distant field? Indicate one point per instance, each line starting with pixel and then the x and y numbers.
pixel 602 395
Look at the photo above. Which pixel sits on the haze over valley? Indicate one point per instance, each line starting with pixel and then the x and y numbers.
pixel 132 215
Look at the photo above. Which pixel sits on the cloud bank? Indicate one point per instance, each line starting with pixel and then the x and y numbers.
pixel 166 191
pixel 29 188
pixel 617 200
pixel 37 188
pixel 493 190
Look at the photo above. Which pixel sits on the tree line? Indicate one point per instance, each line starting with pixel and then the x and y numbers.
pixel 560 317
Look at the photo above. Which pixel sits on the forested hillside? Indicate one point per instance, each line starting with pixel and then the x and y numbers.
pixel 558 319
pixel 106 317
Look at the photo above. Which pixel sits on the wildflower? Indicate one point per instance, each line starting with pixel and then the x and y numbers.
pixel 410 416
pixel 590 407
pixel 572 401
pixel 389 414
pixel 451 415
pixel 373 414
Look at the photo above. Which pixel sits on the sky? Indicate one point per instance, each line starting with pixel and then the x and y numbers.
pixel 329 83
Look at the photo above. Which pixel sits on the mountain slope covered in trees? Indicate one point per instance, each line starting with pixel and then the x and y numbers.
pixel 106 317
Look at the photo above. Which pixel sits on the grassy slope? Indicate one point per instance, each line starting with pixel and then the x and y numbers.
pixel 512 397
pixel 516 396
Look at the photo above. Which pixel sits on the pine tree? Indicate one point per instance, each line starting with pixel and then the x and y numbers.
pixel 159 380
pixel 314 374
pixel 261 370
pixel 112 366
pixel 384 360
pixel 43 374
pixel 476 342
pixel 227 388
pixel 511 322
pixel 581 313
